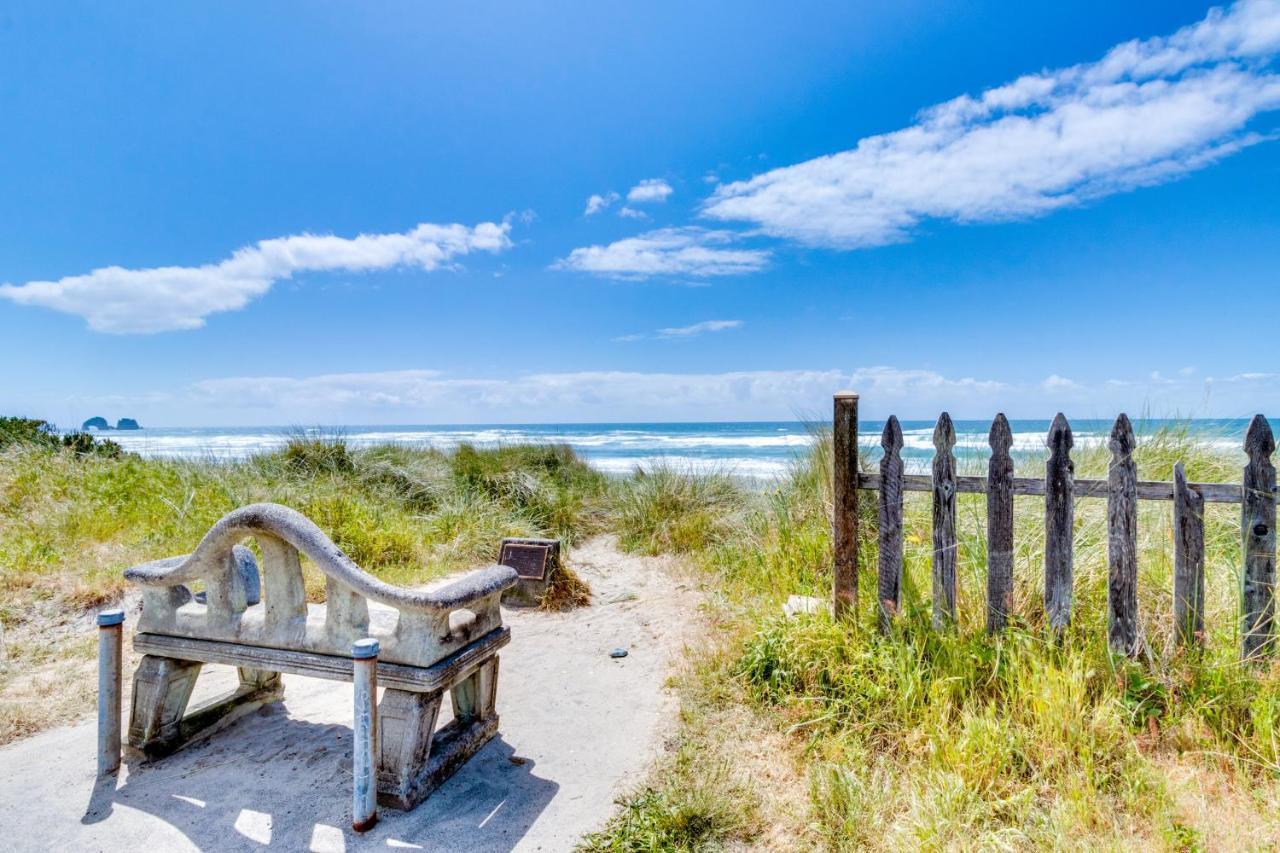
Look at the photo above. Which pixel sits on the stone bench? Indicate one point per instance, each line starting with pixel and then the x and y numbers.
pixel 445 639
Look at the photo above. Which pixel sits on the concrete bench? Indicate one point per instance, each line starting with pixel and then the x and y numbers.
pixel 445 639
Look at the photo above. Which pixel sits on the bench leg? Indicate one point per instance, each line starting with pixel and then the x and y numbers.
pixel 158 722
pixel 413 758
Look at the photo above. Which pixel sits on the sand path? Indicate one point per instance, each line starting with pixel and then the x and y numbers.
pixel 578 729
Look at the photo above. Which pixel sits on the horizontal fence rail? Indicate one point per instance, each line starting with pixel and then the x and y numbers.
pixel 1122 490
pixel 1147 490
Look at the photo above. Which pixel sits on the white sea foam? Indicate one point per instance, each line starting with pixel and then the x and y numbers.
pixel 750 450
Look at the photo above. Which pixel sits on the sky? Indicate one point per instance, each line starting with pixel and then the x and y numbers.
pixel 260 214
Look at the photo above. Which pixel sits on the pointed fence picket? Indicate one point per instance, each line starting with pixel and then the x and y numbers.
pixel 1122 489
pixel 890 505
pixel 999 526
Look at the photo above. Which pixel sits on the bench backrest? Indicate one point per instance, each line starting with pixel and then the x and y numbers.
pixel 415 627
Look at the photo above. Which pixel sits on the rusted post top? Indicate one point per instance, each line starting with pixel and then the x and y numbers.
pixel 365 649
pixel 108 618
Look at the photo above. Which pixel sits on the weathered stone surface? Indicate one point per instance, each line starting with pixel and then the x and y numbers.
pixel 418 633
pixel 424 642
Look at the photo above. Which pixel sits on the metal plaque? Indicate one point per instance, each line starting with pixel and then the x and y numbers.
pixel 529 561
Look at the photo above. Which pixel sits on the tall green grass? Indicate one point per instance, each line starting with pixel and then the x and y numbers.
pixel 70 523
pixel 954 739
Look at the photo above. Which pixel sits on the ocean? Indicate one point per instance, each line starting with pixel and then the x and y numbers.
pixel 760 451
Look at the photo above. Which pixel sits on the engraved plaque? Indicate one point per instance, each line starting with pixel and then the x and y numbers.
pixel 529 561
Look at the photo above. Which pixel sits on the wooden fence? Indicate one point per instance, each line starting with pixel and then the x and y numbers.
pixel 1122 490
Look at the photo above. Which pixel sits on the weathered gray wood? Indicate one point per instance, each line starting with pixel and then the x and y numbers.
pixel 844 493
pixel 1258 528
pixel 1148 490
pixel 1188 560
pixel 944 522
pixel 999 526
pixel 417 679
pixel 890 503
pixel 1059 516
pixel 1122 541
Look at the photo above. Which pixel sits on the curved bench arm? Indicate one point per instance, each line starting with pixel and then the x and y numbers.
pixel 212 556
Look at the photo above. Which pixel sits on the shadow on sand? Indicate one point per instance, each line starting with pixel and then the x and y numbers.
pixel 271 780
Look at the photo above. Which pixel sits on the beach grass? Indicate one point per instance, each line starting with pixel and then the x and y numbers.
pixel 794 732
pixel 957 740
pixel 70 523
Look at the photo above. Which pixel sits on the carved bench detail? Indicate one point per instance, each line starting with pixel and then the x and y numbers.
pixel 432 641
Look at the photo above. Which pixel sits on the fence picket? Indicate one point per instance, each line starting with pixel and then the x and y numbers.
pixel 1122 540
pixel 844 491
pixel 1059 515
pixel 999 526
pixel 1258 531
pixel 944 522
pixel 1188 560
pixel 890 501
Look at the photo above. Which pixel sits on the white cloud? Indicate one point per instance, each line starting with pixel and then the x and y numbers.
pixel 598 395
pixel 699 328
pixel 1147 112
pixel 649 191
pixel 632 213
pixel 158 299
pixel 690 331
pixel 1059 384
pixel 594 395
pixel 430 396
pixel 597 203
pixel 687 251
pixel 892 383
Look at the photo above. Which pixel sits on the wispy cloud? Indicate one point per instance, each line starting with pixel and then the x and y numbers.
pixel 431 396
pixel 596 394
pixel 158 299
pixel 699 328
pixel 597 203
pixel 632 213
pixel 1146 113
pixel 689 251
pixel 649 191
pixel 690 331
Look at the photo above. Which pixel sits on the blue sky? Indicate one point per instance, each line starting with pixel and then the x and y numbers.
pixel 277 213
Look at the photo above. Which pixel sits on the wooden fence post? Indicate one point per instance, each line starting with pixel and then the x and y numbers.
pixel 844 494
pixel 1059 516
pixel 1122 540
pixel 999 526
pixel 1188 560
pixel 890 503
pixel 1258 531
pixel 944 522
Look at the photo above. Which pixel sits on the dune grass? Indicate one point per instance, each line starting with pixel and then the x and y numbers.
pixel 70 523
pixel 797 732
pixel 955 740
